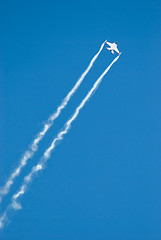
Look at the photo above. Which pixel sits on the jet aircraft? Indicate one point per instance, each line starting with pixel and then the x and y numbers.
pixel 113 47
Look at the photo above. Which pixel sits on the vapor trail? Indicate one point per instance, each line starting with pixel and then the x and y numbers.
pixel 34 146
pixel 41 164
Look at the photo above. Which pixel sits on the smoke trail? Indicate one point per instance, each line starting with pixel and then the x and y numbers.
pixel 34 146
pixel 40 166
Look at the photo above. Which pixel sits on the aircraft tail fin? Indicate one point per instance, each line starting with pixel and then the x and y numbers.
pixel 110 50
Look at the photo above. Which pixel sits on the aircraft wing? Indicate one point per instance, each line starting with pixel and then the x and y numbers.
pixel 110 44
pixel 116 49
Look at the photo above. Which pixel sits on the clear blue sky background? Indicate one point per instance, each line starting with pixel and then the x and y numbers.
pixel 103 180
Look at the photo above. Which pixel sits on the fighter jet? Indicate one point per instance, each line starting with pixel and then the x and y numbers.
pixel 113 47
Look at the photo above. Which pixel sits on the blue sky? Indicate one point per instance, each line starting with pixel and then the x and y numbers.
pixel 103 180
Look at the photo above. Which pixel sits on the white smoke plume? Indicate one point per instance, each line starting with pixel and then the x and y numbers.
pixel 3 219
pixel 41 164
pixel 34 146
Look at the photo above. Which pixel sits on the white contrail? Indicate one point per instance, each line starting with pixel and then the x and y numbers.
pixel 40 166
pixel 34 146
